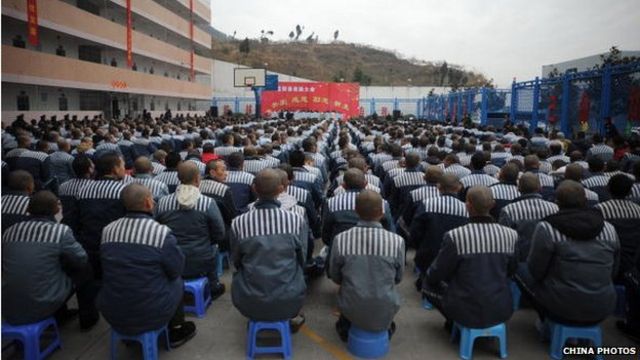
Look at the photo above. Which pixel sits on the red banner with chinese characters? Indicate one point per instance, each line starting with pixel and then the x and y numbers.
pixel 192 73
pixel 553 105
pixel 32 22
pixel 129 28
pixel 343 98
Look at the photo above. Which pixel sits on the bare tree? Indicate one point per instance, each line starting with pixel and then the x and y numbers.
pixel 299 31
pixel 335 35
pixel 292 35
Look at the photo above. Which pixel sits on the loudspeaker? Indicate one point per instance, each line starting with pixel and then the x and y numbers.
pixel 396 114
pixel 214 111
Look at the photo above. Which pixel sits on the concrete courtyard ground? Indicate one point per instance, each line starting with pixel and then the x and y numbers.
pixel 420 333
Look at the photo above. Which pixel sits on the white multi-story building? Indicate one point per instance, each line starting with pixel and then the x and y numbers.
pixel 80 65
pixel 582 64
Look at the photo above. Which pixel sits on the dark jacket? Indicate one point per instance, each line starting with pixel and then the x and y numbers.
pixel 435 216
pixel 240 183
pixel 33 162
pixel 223 197
pixel 269 282
pixel 195 229
pixel 476 262
pixel 34 284
pixel 97 204
pixel 573 259
pixel 624 215
pixel 142 265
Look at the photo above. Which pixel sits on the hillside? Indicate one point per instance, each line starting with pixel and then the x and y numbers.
pixel 351 62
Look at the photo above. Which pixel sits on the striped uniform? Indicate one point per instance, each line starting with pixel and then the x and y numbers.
pixel 483 238
pixel 596 181
pixel 170 178
pixel 380 158
pixel 476 179
pixel 341 190
pixel 554 158
pixel 107 147
pixel 464 158
pixel 545 167
pixel 301 195
pixel 618 172
pixel 266 222
pixel 503 194
pixel 395 172
pixel 213 188
pixel 157 168
pixel 491 170
pixel 240 177
pixel 158 188
pixel 68 192
pixel 545 180
pixel 635 193
pixel 458 170
pixel 601 150
pixel 14 209
pixel 391 164
pixel 445 205
pixel 170 203
pixel 523 215
pixel 60 166
pixel 137 231
pixel 624 215
pixel 226 150
pixel 254 166
pixel 347 202
pixel 424 192
pixel 409 178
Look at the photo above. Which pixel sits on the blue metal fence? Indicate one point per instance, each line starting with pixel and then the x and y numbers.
pixel 572 102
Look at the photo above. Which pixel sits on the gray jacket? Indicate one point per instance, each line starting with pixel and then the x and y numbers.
pixel 34 284
pixel 367 262
pixel 268 248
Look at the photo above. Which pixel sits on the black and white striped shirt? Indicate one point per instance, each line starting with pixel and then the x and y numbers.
pixel 445 205
pixel 619 209
pixel 409 178
pixel 476 179
pixel 168 177
pixel 502 191
pixel 265 222
pixel 528 209
pixel 15 204
pixel 101 189
pixel 214 188
pixel 424 192
pixel 170 203
pixel 240 177
pixel 158 188
pixel 138 231
pixel 458 170
pixel 371 241
pixel 72 187
pixel 347 202
pixel 483 238
pixel 35 231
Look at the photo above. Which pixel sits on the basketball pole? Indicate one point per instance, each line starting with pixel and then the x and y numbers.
pixel 257 91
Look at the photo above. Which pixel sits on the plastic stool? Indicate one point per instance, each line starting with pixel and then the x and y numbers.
pixel 621 303
pixel 560 333
pixel 220 256
pixel 469 335
pixel 201 296
pixel 29 335
pixel 285 334
pixel 426 304
pixel 367 344
pixel 515 295
pixel 148 340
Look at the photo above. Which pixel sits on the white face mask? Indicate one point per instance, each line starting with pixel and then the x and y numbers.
pixel 187 195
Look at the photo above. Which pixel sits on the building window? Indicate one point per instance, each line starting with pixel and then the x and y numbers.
pixel 23 101
pixel 63 103
pixel 152 106
pixel 134 67
pixel 60 51
pixel 179 106
pixel 19 42
pixel 114 63
pixel 151 71
pixel 44 97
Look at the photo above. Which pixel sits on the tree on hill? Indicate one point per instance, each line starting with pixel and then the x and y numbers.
pixel 292 35
pixel 244 46
pixel 335 35
pixel 360 77
pixel 298 31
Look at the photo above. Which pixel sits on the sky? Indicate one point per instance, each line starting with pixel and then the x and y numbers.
pixel 501 38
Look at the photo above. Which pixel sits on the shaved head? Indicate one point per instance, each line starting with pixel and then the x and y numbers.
pixel 573 172
pixel 570 195
pixel 529 183
pixel 43 203
pixel 369 206
pixel 479 201
pixel 450 184
pixel 268 184
pixel 188 173
pixel 354 179
pixel 142 165
pixel 358 163
pixel 433 174
pixel 136 197
pixel 531 162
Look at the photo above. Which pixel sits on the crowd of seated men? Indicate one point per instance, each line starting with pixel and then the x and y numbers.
pixel 120 213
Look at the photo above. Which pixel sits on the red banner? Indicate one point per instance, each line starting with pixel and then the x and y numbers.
pixel 343 98
pixel 553 105
pixel 32 22
pixel 191 71
pixel 585 108
pixel 129 28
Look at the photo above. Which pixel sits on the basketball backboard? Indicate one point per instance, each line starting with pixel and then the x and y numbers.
pixel 246 77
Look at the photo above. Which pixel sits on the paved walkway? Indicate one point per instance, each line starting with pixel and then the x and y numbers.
pixel 420 333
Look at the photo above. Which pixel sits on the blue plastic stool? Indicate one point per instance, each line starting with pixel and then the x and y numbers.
pixel 148 340
pixel 367 344
pixel 560 333
pixel 426 304
pixel 29 335
pixel 201 296
pixel 621 304
pixel 468 337
pixel 285 334
pixel 220 256
pixel 515 295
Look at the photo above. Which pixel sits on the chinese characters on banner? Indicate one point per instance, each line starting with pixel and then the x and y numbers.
pixel 343 98
pixel 32 22
pixel 129 27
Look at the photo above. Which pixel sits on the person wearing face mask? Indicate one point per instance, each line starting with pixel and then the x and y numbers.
pixel 196 223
